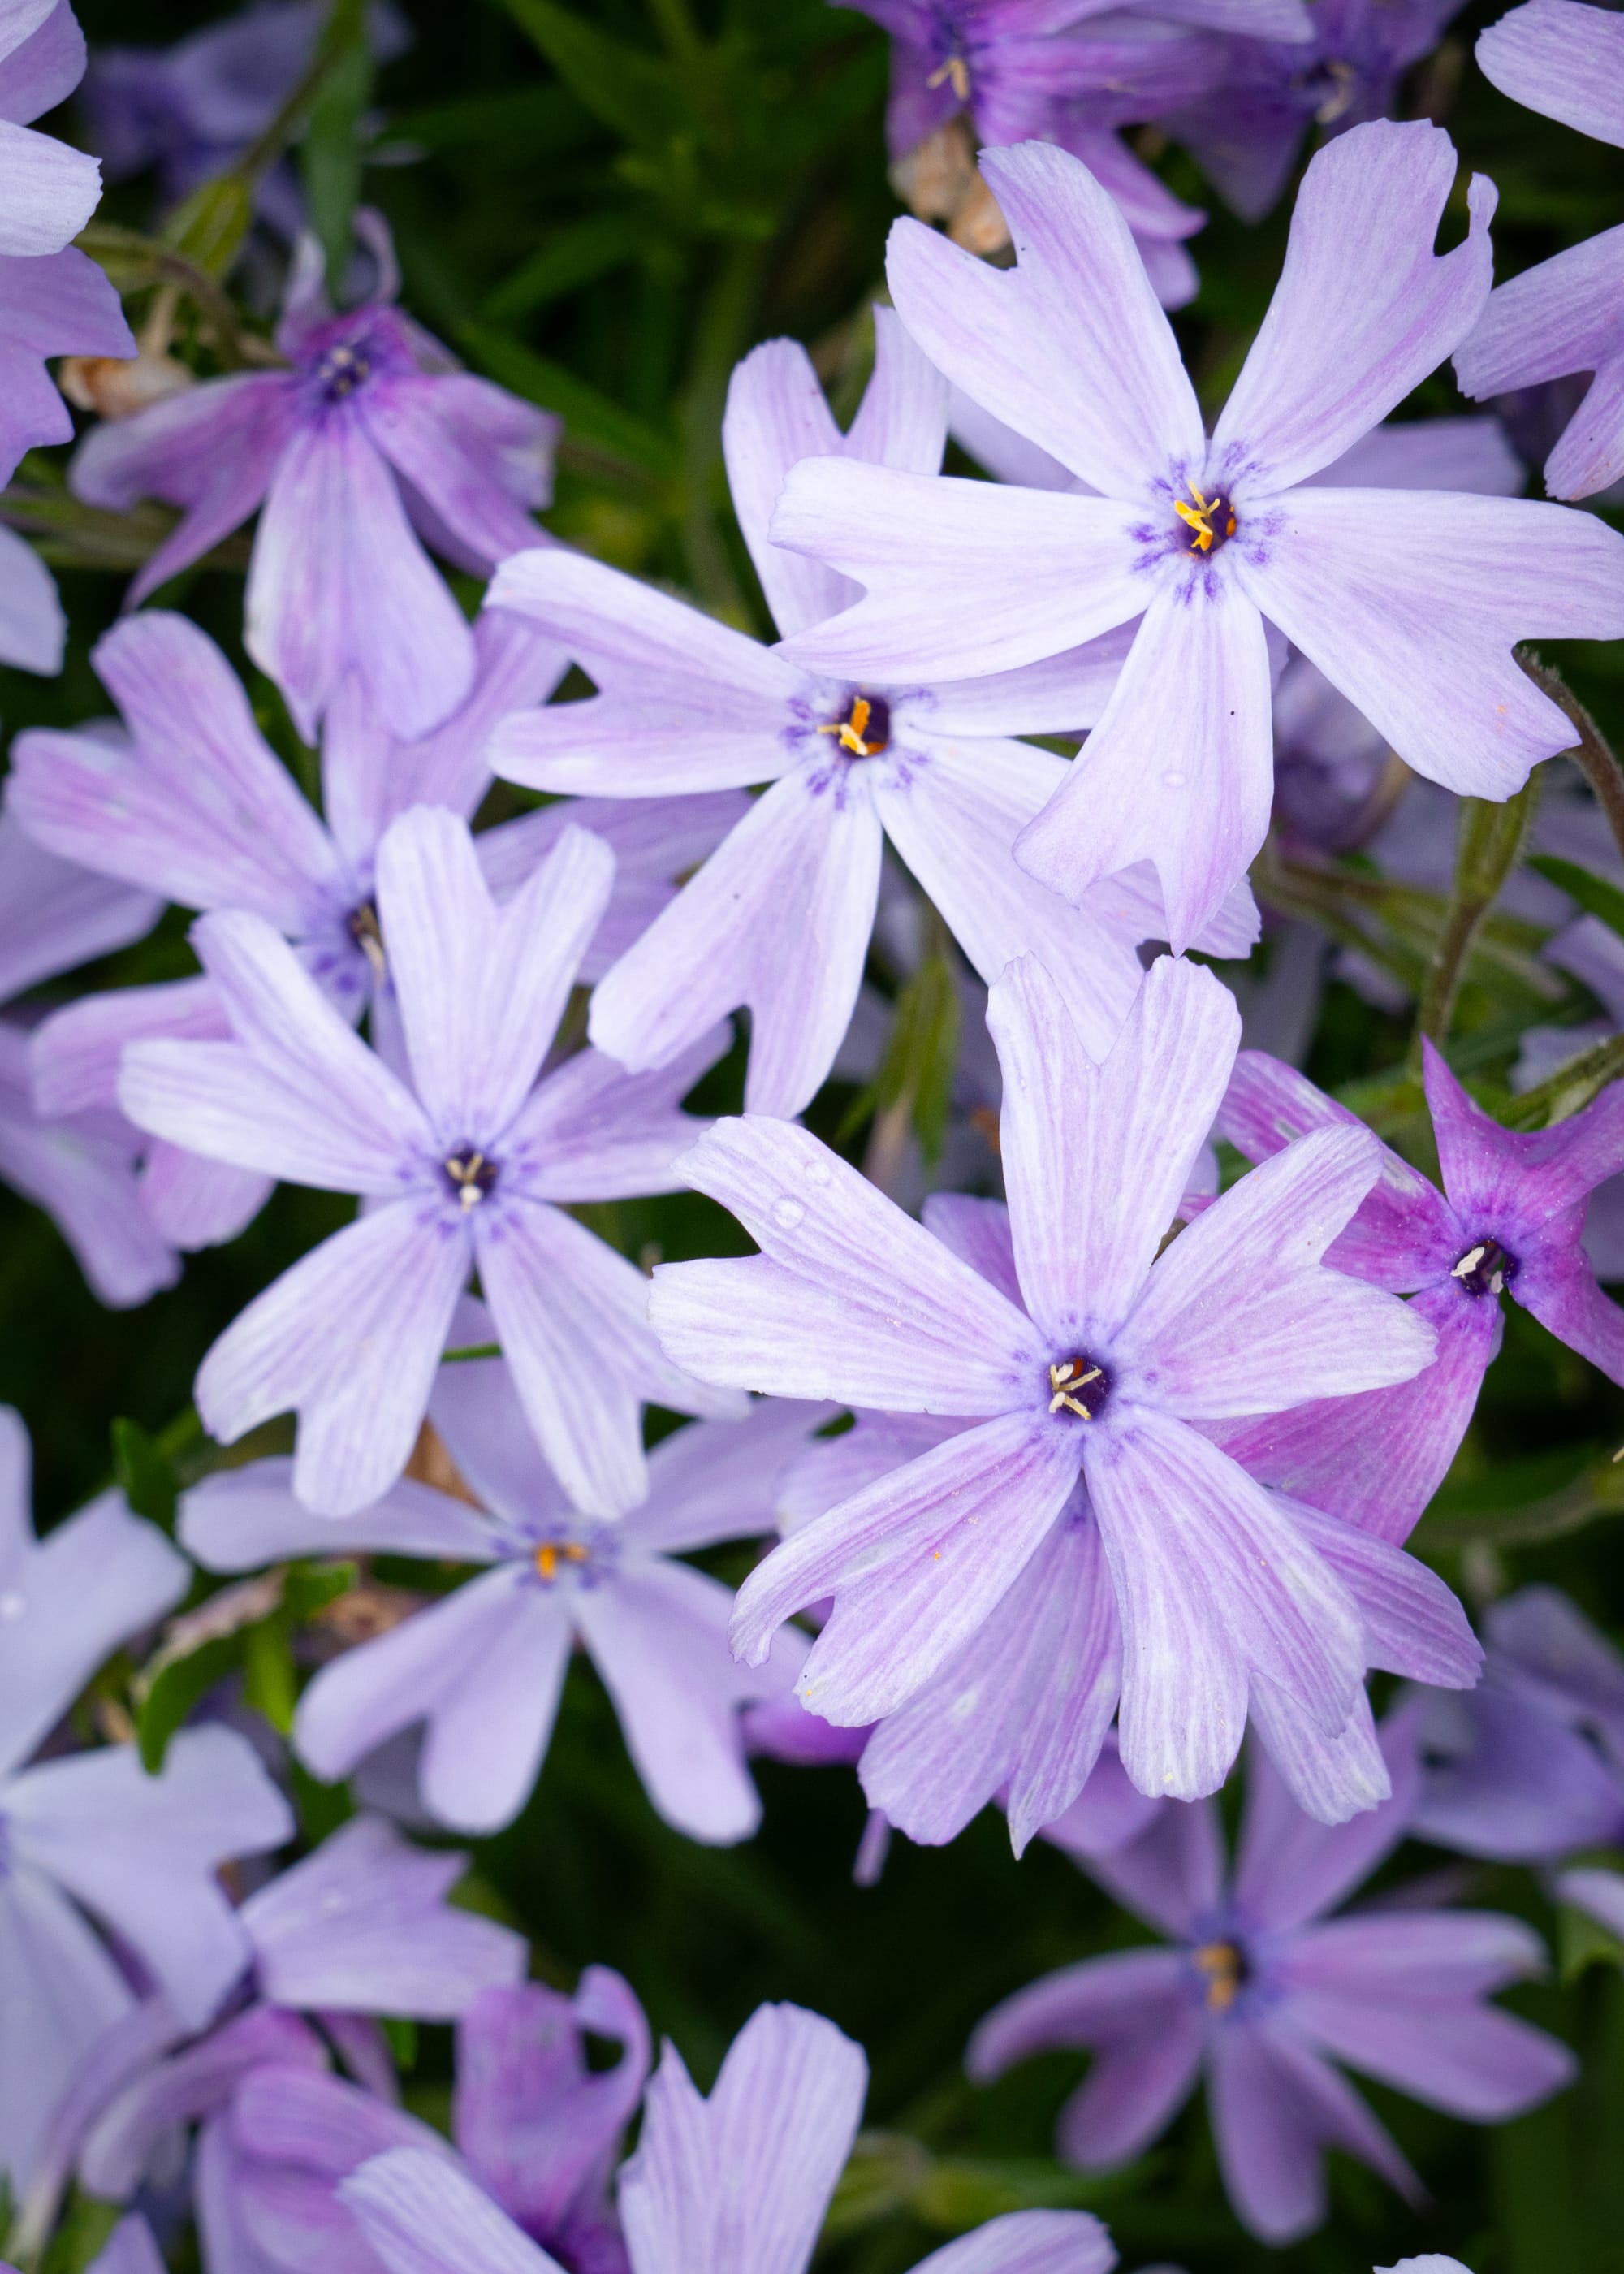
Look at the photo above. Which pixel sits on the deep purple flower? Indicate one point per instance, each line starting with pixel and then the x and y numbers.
pixel 1592 953
pixel 736 2184
pixel 1564 60
pixel 76 1163
pixel 465 1169
pixel 1017 1712
pixel 1246 130
pixel 1530 1768
pixel 374 443
pixel 92 1832
pixel 360 1927
pixel 535 2129
pixel 1509 1220
pixel 192 801
pixel 1263 1992
pixel 780 917
pixel 1409 604
pixel 1099 1378
pixel 483 1667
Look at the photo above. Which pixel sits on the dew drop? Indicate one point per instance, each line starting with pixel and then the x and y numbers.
pixel 817 1170
pixel 1174 779
pixel 786 1214
pixel 12 1607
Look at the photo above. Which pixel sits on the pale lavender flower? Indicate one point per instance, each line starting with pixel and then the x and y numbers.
pixel 1246 130
pixel 1530 1768
pixel 1263 1994
pixel 373 444
pixel 482 1668
pixel 77 1162
pixel 466 1169
pixel 535 2129
pixel 1017 1712
pixel 735 2184
pixel 1410 603
pixel 1564 60
pixel 780 917
pixel 1509 1220
pixel 90 1835
pixel 359 1928
pixel 1100 1377
pixel 1593 953
pixel 192 800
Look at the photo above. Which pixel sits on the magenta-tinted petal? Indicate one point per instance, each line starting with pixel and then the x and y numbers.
pixel 1289 1869
pixel 850 1299
pixel 778 918
pixel 739 2184
pixel 1069 347
pixel 1179 769
pixel 1363 309
pixel 349 1338
pixel 684 703
pixel 1561 59
pixel 339 582
pixel 959 578
pixel 1083 1243
pixel 955 824
pixel 1410 603
pixel 1413 1625
pixel 1241 1313
pixel 1331 1778
pixel 916 1564
pixel 1276 2107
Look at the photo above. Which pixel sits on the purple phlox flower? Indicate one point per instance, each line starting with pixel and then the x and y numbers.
pixel 1247 127
pixel 48 192
pixel 192 800
pixel 780 917
pixel 534 2128
pixel 1564 60
pixel 1263 1992
pixel 1098 1379
pixel 358 1928
pixel 371 445
pixel 1530 1766
pixel 1019 1712
pixel 483 1667
pixel 465 1168
pixel 735 2184
pixel 1158 221
pixel 90 1835
pixel 1108 1813
pixel 78 1163
pixel 191 108
pixel 1410 602
pixel 1509 1220
pixel 1594 954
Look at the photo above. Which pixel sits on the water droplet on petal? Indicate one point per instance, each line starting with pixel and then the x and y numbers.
pixel 12 1607
pixel 1174 779
pixel 817 1169
pixel 786 1214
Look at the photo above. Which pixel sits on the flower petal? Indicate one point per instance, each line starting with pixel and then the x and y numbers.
pixel 423 2215
pixel 1276 2107
pixel 242 1519
pixel 1561 59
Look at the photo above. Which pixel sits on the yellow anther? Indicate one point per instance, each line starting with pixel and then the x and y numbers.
pixel 852 729
pixel 955 71
pixel 1200 518
pixel 552 1553
pixel 1065 1380
pixel 1225 1971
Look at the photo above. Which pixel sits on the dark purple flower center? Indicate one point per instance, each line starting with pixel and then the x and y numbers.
pixel 1485 1268
pixel 342 370
pixel 1079 1386
pixel 469 1174
pixel 363 926
pixel 865 728
pixel 1328 88
pixel 1225 1971
pixel 1208 522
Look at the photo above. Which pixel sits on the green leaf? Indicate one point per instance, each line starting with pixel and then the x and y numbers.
pixel 628 90
pixel 81 2235
pixel 402 2034
pixel 310 1587
pixel 270 1684
pixel 1594 894
pixel 146 1473
pixel 210 225
pixel 177 1689
pixel 330 153
pixel 590 417
pixel 923 1053
pixel 1583 1942
pixel 575 256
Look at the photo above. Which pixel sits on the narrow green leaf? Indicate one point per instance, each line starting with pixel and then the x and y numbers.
pixel 81 2233
pixel 270 1684
pixel 1594 894
pixel 146 1473
pixel 310 1587
pixel 1583 1942
pixel 590 417
pixel 330 153
pixel 181 1685
pixel 628 91
pixel 402 2033
pixel 209 226
pixel 575 256
pixel 923 1053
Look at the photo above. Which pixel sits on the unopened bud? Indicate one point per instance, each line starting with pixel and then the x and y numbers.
pixel 116 386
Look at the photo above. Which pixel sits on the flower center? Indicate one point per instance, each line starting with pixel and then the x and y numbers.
pixel 363 926
pixel 1076 1385
pixel 1485 1268
pixel 866 729
pixel 956 71
pixel 1224 1966
pixel 552 1553
pixel 1330 88
pixel 469 1174
pixel 1209 521
pixel 341 370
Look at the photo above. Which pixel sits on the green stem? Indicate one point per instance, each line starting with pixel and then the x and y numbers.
pixel 469 1350
pixel 1592 754
pixel 1491 836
